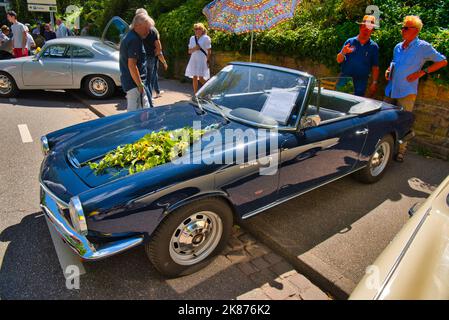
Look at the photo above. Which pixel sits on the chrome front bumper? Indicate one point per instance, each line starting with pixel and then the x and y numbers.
pixel 51 207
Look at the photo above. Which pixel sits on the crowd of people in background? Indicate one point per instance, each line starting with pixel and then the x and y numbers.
pixel 26 38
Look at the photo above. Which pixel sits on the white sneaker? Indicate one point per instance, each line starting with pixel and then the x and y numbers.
pixel 158 95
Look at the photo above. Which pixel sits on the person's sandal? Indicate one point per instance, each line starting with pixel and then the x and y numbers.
pixel 399 157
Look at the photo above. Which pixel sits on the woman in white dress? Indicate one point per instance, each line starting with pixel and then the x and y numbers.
pixel 200 52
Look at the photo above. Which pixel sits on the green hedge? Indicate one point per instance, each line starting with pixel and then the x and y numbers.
pixel 317 31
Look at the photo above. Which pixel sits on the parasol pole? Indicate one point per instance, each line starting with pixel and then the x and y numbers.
pixel 251 48
pixel 252 36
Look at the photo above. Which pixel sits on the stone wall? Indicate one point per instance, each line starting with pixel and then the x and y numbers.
pixel 431 111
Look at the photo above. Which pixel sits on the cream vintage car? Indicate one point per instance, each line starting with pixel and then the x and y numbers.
pixel 415 265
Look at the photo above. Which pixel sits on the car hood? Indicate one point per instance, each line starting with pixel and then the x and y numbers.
pixel 93 145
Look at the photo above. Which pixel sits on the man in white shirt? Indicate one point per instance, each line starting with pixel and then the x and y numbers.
pixel 19 36
pixel 62 30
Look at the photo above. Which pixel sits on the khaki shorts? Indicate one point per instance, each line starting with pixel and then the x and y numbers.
pixel 408 103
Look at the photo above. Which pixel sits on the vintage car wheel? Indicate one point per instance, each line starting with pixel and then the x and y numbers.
pixel 190 237
pixel 8 87
pixel 99 86
pixel 378 161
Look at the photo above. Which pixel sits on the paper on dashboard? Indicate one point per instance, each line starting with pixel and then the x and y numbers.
pixel 279 104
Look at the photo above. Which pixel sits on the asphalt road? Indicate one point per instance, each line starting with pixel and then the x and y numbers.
pixel 29 266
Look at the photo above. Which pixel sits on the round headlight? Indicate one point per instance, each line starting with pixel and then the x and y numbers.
pixel 44 145
pixel 77 216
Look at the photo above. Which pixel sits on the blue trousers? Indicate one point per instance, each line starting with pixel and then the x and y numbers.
pixel 360 84
pixel 156 77
pixel 151 70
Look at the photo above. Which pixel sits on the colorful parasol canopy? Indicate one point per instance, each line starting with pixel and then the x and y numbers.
pixel 243 16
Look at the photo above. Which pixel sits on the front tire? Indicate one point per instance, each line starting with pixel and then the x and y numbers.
pixel 188 239
pixel 378 162
pixel 99 86
pixel 8 87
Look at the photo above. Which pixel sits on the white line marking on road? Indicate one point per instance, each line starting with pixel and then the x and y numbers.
pixel 25 133
pixel 13 100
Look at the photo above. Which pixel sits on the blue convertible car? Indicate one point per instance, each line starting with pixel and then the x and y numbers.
pixel 269 134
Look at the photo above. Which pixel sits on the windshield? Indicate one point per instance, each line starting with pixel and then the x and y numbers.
pixel 114 32
pixel 258 95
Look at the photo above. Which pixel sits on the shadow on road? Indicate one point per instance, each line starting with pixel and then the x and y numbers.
pixel 53 98
pixel 345 225
pixel 30 270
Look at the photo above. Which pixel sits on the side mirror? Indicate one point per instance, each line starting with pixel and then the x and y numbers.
pixel 310 121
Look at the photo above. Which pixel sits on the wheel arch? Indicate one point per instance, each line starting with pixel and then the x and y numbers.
pixel 220 196
pixel 395 136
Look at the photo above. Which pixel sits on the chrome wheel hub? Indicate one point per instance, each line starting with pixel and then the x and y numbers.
pixel 5 84
pixel 98 86
pixel 196 238
pixel 380 159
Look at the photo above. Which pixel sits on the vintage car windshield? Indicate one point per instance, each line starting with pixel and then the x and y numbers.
pixel 256 95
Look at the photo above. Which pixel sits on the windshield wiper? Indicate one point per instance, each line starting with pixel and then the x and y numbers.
pixel 199 104
pixel 216 106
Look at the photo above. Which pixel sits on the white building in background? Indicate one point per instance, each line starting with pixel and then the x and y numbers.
pixel 5 4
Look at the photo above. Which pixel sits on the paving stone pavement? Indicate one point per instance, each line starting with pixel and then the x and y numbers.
pixel 274 278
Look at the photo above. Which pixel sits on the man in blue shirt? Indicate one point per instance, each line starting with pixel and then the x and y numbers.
pixel 405 70
pixel 359 57
pixel 133 70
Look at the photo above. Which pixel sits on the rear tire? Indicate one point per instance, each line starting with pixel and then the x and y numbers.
pixel 378 162
pixel 188 239
pixel 99 86
pixel 8 87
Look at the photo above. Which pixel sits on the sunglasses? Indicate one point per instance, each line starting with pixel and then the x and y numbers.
pixel 406 28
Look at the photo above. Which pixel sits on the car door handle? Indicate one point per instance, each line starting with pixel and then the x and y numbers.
pixel 360 132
